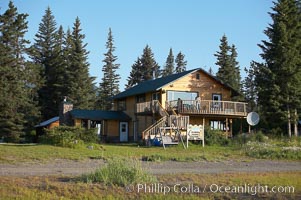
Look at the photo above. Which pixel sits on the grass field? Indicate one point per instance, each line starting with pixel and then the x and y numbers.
pixel 28 153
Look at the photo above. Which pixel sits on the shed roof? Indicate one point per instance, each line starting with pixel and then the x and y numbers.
pixel 99 115
pixel 48 122
pixel 157 84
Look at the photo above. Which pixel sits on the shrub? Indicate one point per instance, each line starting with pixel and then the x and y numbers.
pixel 119 172
pixel 69 136
pixel 215 137
pixel 271 151
pixel 244 138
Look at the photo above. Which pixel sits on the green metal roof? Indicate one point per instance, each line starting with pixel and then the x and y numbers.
pixel 157 84
pixel 151 85
pixel 99 115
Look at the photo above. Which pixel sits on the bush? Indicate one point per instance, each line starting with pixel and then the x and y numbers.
pixel 270 151
pixel 245 138
pixel 119 172
pixel 66 136
pixel 215 137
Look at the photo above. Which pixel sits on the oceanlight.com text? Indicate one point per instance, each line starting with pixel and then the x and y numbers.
pixel 159 188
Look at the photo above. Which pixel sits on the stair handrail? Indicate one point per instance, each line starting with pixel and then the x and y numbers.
pixel 158 124
pixel 161 107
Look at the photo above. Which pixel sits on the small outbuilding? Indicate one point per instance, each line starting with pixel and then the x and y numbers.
pixel 48 124
pixel 112 125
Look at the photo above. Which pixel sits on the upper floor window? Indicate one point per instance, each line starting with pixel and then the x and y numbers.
pixel 198 76
pixel 140 98
pixel 121 105
pixel 156 96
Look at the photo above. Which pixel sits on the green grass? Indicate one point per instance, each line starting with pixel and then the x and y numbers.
pixel 119 172
pixel 27 153
pixel 285 149
pixel 13 153
pixel 175 153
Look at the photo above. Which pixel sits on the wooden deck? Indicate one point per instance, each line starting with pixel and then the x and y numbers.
pixel 192 107
pixel 209 107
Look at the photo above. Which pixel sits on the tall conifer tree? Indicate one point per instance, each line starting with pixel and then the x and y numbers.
pixel 236 83
pixel 16 87
pixel 249 86
pixel 109 85
pixel 150 68
pixel 279 78
pixel 43 54
pixel 180 63
pixel 228 71
pixel 169 64
pixel 135 74
pixel 80 86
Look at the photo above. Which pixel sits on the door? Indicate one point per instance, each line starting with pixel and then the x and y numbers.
pixel 216 101
pixel 123 131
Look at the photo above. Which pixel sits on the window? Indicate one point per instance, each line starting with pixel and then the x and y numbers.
pixel 217 125
pixel 140 98
pixel 198 76
pixel 156 96
pixel 216 97
pixel 121 105
pixel 174 95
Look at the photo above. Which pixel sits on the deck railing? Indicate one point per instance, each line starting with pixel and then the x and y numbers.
pixel 151 107
pixel 208 107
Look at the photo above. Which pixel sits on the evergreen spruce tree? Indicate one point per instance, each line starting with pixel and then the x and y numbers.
pixel 249 86
pixel 228 71
pixel 180 63
pixel 80 86
pixel 210 71
pixel 109 85
pixel 150 68
pixel 224 72
pixel 279 77
pixel 135 74
pixel 67 55
pixel 16 86
pixel 42 53
pixel 169 65
pixel 236 84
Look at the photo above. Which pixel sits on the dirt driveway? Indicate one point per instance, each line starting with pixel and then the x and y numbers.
pixel 69 167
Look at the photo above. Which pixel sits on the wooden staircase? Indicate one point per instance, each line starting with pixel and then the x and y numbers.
pixel 167 120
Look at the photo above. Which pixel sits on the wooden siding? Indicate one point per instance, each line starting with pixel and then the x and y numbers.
pixel 111 128
pixel 54 124
pixel 205 86
pixel 77 122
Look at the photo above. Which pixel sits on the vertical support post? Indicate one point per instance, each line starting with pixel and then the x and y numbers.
pixel 203 141
pixel 231 127
pixel 240 125
pixel 187 136
pixel 227 127
pixel 88 124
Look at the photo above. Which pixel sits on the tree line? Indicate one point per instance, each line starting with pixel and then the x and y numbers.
pixel 35 77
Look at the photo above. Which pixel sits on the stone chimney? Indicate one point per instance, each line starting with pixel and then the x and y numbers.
pixel 65 116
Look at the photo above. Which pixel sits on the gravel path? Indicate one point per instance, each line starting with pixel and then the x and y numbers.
pixel 70 167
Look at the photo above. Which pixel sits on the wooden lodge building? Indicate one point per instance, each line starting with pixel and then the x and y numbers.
pixel 191 97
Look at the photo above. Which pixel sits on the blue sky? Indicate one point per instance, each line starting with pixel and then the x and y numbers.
pixel 193 27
